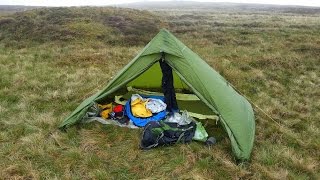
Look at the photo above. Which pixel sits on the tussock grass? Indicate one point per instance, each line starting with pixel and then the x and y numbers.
pixel 272 58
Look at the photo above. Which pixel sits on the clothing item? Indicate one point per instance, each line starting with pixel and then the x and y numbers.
pixel 167 86
pixel 138 106
pixel 106 110
pixel 105 114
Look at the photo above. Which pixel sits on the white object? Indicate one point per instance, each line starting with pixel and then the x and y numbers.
pixel 183 119
pixel 155 105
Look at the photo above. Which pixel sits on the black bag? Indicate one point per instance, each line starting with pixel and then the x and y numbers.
pixel 157 133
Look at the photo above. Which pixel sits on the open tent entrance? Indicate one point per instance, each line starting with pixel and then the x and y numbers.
pixel 149 83
pixel 151 80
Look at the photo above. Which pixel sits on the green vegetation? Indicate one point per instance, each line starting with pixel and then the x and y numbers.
pixel 51 59
pixel 107 25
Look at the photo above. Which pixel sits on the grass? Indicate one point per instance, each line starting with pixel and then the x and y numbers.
pixel 100 24
pixel 272 58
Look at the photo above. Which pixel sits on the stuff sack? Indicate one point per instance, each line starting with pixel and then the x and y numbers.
pixel 157 133
pixel 141 122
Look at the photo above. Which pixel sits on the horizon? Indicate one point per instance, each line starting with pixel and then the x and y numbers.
pixel 55 3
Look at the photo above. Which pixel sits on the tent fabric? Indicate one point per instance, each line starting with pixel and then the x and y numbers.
pixel 145 82
pixel 234 111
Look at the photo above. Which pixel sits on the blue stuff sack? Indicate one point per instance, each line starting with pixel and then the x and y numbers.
pixel 141 122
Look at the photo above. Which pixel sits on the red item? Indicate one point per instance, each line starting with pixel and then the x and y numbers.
pixel 118 108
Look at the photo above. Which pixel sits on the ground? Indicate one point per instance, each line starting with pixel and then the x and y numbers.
pixel 270 56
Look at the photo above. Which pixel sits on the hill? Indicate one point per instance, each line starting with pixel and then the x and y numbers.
pixel 108 25
pixel 221 6
pixel 7 9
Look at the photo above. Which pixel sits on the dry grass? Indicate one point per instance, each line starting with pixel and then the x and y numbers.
pixel 272 58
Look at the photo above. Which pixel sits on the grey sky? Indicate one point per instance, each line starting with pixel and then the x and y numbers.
pixel 109 2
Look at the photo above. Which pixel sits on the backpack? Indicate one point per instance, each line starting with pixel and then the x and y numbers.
pixel 158 133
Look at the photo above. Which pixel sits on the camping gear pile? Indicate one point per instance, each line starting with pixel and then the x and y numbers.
pixel 167 64
pixel 159 115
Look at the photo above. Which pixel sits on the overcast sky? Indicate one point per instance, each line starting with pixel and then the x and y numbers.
pixel 110 2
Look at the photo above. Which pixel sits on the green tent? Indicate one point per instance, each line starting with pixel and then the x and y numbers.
pixel 190 72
